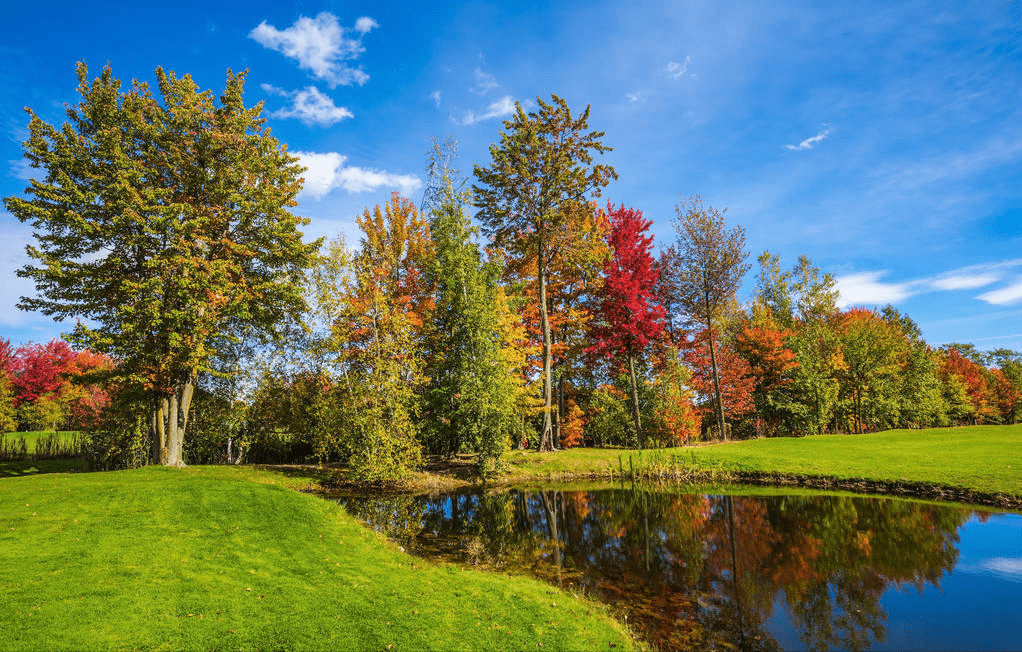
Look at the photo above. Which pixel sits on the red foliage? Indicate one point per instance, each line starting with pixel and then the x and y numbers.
pixel 736 379
pixel 41 369
pixel 975 380
pixel 45 372
pixel 6 357
pixel 1009 395
pixel 630 315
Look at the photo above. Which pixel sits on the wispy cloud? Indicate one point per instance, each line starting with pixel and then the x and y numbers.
pixel 633 96
pixel 811 142
pixel 868 288
pixel 485 82
pixel 320 45
pixel 309 105
pixel 675 69
pixel 1004 148
pixel 1005 296
pixel 326 172
pixel 22 169
pixel 436 98
pixel 502 108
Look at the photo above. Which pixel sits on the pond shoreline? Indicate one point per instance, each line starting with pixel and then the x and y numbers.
pixel 435 482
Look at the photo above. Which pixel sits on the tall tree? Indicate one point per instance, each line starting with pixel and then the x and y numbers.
pixel 471 392
pixel 629 316
pixel 542 171
pixel 706 274
pixel 164 225
pixel 377 303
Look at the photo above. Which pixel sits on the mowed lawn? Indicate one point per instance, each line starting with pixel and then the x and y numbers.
pixel 228 558
pixel 980 458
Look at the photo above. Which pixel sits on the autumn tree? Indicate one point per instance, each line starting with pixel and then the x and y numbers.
pixel 375 303
pixel 629 317
pixel 541 172
pixel 707 270
pixel 163 225
pixel 7 422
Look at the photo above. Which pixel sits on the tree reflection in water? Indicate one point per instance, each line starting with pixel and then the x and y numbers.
pixel 695 571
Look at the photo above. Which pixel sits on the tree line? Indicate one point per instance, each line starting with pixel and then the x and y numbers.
pixel 510 310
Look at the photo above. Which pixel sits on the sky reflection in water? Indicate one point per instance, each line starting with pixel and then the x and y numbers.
pixel 749 572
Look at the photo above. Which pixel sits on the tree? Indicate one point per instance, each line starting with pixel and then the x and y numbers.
pixel 164 226
pixel 376 304
pixel 541 173
pixel 629 316
pixel 471 391
pixel 7 361
pixel 706 273
pixel 873 351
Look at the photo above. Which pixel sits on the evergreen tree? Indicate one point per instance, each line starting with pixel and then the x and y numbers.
pixel 470 389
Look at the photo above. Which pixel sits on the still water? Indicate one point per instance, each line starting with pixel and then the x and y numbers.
pixel 719 571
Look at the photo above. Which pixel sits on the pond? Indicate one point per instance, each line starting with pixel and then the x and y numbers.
pixel 730 571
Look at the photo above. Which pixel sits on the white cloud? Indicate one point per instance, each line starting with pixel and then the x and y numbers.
pixel 1010 566
pixel 633 96
pixel 964 281
pixel 675 69
pixel 811 142
pixel 310 106
pixel 1004 296
pixel 320 46
pixel 502 108
pixel 436 98
pixel 485 82
pixel 22 169
pixel 326 171
pixel 866 288
pixel 364 24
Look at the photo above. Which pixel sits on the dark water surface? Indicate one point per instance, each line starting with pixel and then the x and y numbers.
pixel 695 572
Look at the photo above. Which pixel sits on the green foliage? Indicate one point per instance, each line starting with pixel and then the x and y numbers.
pixel 610 419
pixel 8 420
pixel 163 225
pixel 47 413
pixel 375 303
pixel 469 392
pixel 541 177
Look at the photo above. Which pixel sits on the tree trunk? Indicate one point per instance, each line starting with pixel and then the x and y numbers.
pixel 169 422
pixel 716 388
pixel 635 402
pixel 546 437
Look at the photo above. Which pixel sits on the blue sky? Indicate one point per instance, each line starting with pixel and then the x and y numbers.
pixel 883 140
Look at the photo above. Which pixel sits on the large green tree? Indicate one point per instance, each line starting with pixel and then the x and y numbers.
pixel 541 175
pixel 163 225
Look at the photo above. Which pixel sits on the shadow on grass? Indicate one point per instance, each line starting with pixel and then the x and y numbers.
pixel 18 468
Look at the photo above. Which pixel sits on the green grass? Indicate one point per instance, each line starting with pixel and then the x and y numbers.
pixel 31 437
pixel 978 458
pixel 218 558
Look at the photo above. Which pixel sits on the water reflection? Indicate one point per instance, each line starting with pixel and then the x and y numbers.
pixel 696 571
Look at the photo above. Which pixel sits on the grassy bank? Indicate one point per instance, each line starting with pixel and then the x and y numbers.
pixel 985 459
pixel 218 558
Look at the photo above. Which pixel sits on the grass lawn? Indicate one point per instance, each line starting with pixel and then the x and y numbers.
pixel 228 558
pixel 979 458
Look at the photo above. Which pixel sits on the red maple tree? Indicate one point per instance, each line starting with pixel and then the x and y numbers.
pixel 629 317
